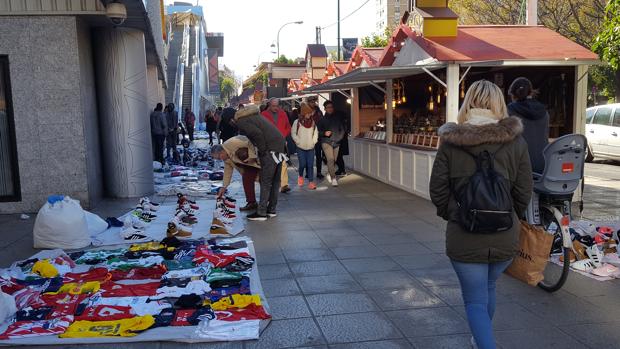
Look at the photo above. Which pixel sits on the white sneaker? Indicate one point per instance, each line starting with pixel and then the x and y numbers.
pixel 133 221
pixel 473 343
pixel 334 182
pixel 329 178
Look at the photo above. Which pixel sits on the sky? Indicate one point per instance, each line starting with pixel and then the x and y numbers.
pixel 250 27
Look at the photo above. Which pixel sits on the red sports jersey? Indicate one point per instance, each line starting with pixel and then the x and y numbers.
pixel 96 274
pixel 113 289
pixel 154 273
pixel 64 304
pixel 251 312
pixel 181 317
pixel 204 254
pixel 106 313
pixel 23 329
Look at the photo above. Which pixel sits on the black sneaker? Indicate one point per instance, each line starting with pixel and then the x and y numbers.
pixel 320 176
pixel 256 217
pixel 272 214
pixel 285 189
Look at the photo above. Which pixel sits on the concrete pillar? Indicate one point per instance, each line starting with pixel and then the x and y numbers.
pixel 452 102
pixel 124 110
pixel 581 99
pixel 389 114
pixel 355 112
pixel 152 84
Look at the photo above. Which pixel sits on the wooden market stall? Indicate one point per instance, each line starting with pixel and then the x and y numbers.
pixel 423 74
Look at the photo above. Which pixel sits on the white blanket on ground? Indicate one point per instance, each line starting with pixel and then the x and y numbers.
pixel 157 228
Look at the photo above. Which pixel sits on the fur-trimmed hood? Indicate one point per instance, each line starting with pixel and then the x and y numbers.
pixel 504 131
pixel 248 110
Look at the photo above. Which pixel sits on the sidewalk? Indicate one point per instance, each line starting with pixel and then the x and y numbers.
pixel 362 266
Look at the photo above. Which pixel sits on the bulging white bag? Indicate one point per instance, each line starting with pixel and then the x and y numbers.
pixel 96 224
pixel 61 224
pixel 7 306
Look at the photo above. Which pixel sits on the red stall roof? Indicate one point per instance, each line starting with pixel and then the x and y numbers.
pixel 493 43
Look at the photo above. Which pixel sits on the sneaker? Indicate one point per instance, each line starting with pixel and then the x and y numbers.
pixel 147 204
pixel 300 181
pixel 249 207
pixel 334 182
pixel 312 186
pixel 473 343
pixel 134 235
pixel 257 217
pixel 177 231
pixel 272 214
pixel 329 178
pixel 285 189
pixel 133 221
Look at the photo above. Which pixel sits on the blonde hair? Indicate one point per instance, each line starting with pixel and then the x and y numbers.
pixel 483 94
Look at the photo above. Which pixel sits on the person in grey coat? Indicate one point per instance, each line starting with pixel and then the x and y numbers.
pixel 271 147
pixel 159 131
pixel 172 119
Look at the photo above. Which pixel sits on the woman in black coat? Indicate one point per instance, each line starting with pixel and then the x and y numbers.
pixel 227 125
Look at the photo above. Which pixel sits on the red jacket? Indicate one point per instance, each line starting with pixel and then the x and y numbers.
pixel 283 125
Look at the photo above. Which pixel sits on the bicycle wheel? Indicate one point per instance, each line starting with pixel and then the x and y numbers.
pixel 555 275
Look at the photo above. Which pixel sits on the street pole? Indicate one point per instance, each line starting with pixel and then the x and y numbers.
pixel 339 30
pixel 278 38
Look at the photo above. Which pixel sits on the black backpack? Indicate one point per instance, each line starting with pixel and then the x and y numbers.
pixel 485 203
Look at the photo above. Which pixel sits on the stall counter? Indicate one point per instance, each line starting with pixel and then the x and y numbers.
pixel 403 167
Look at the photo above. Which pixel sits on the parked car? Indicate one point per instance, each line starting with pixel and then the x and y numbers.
pixel 603 131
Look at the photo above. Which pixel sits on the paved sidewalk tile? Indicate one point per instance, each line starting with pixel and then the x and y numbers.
pixel 357 327
pixel 288 333
pixel 341 303
pixel 429 322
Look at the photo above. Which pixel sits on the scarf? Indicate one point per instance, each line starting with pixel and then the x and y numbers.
pixel 479 117
pixel 307 122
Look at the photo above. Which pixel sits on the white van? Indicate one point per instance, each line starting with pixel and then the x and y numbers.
pixel 603 131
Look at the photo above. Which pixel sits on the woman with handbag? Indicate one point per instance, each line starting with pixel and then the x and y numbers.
pixel 480 255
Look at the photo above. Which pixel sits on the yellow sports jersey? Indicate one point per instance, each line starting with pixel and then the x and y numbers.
pixel 45 269
pixel 77 288
pixel 124 328
pixel 147 246
pixel 235 301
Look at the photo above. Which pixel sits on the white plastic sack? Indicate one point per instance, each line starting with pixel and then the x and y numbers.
pixel 61 225
pixel 7 306
pixel 96 224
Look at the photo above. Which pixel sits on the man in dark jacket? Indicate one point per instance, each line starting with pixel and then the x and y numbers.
pixel 172 119
pixel 189 119
pixel 535 120
pixel 318 150
pixel 331 132
pixel 227 126
pixel 159 130
pixel 271 147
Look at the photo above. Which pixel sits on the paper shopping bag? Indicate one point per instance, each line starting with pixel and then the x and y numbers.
pixel 533 255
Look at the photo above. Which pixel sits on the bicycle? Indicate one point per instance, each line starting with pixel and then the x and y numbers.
pixel 552 199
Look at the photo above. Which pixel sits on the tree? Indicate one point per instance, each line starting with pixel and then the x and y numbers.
pixel 378 40
pixel 607 42
pixel 227 88
pixel 283 60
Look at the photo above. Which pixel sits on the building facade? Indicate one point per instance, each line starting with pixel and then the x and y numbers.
pixel 389 12
pixel 75 96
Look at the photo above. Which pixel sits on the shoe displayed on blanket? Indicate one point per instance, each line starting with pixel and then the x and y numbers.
pixel 584 265
pixel 174 231
pixel 612 258
pixel 181 225
pixel 223 219
pixel 606 270
pixel 189 220
pixel 579 250
pixel 114 222
pixel 142 216
pixel 184 201
pixel 188 210
pixel 148 205
pixel 231 205
pixel 133 221
pixel 219 222
pixel 229 199
pixel 145 213
pixel 218 230
pixel 134 235
pixel 596 256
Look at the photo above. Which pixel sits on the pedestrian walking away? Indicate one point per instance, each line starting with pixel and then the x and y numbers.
pixel 271 148
pixel 278 118
pixel 478 258
pixel 189 119
pixel 240 154
pixel 535 120
pixel 331 132
pixel 159 131
pixel 172 119
pixel 343 150
pixel 318 149
pixel 305 135
pixel 211 126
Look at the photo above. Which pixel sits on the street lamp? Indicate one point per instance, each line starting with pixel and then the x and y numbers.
pixel 278 38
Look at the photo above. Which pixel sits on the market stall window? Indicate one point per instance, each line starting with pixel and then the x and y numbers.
pixel 9 174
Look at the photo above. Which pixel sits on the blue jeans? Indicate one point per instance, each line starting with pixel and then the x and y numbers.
pixel 306 162
pixel 478 282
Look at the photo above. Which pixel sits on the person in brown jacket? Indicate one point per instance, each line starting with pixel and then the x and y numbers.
pixel 240 154
pixel 479 259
